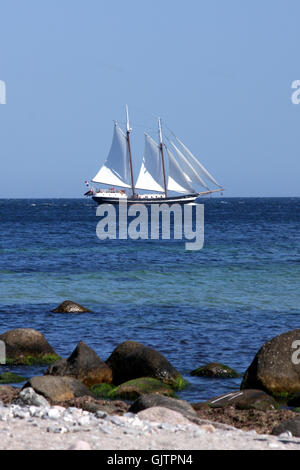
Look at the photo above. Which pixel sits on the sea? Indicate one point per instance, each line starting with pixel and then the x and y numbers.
pixel 218 304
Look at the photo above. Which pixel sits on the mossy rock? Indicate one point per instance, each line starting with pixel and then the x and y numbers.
pixel 10 378
pixel 215 370
pixel 102 390
pixel 47 359
pixel 133 389
pixel 131 360
pixel 180 383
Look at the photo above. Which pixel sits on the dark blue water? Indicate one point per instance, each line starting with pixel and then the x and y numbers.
pixel 217 304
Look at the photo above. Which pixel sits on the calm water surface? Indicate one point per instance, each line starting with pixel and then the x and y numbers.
pixel 217 304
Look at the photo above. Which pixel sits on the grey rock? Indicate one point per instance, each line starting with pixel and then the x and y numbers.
pixel 29 397
pixel 291 426
pixel 57 389
pixel 153 399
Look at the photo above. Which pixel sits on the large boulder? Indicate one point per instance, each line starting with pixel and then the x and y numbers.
pixel 131 360
pixel 153 400
pixel 27 346
pixel 215 370
pixel 83 364
pixel 57 389
pixel 241 400
pixel 276 367
pixel 67 306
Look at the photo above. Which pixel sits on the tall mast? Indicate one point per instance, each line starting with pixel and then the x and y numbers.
pixel 129 150
pixel 162 155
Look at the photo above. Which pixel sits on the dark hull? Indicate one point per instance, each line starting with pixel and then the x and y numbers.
pixel 147 201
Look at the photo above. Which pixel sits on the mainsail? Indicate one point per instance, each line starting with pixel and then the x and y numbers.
pixel 116 169
pixel 151 175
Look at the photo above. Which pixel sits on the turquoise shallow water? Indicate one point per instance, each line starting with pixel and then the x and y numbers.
pixel 217 304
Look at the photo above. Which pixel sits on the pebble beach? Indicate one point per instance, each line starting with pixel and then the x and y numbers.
pixel 58 428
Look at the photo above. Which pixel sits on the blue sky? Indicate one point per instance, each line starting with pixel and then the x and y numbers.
pixel 219 73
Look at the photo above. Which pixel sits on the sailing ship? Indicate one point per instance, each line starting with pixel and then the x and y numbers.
pixel 168 176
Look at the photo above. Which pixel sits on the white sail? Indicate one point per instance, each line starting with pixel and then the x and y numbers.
pixel 197 165
pixel 151 174
pixel 191 173
pixel 177 179
pixel 116 169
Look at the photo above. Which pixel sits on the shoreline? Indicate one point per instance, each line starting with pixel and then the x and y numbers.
pixel 58 428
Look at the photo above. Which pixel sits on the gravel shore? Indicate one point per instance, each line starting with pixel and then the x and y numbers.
pixel 59 428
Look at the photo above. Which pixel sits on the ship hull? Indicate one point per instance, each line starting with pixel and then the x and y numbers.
pixel 146 201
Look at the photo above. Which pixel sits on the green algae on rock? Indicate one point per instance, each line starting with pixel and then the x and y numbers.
pixel 10 378
pixel 26 346
pixel 133 389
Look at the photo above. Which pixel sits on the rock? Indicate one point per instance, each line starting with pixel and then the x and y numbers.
pixel 80 445
pixel 57 389
pixel 93 405
pixel 133 389
pixel 29 397
pixel 160 414
pixel 292 426
pixel 276 368
pixel 27 346
pixel 83 364
pixel 131 360
pixel 241 400
pixel 67 306
pixel 10 378
pixel 207 428
pixel 8 393
pixel 215 370
pixel 154 400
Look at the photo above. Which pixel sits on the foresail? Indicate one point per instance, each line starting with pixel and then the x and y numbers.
pixel 177 179
pixel 197 165
pixel 188 169
pixel 116 169
pixel 151 174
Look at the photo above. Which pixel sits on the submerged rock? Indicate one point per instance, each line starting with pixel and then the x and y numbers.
pixel 27 346
pixel 57 389
pixel 67 306
pixel 83 364
pixel 215 370
pixel 276 367
pixel 131 360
